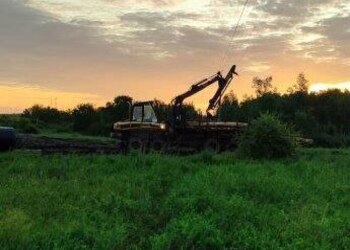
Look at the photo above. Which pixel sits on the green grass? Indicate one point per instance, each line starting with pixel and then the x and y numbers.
pixel 173 202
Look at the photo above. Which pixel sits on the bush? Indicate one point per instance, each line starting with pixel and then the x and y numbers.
pixel 21 124
pixel 27 127
pixel 83 116
pixel 267 137
pixel 46 115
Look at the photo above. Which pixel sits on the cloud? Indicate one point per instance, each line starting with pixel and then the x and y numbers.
pixel 165 32
pixel 39 48
pixel 258 67
pixel 111 47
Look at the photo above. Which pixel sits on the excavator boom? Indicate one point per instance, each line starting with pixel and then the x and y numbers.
pixel 195 88
pixel 223 84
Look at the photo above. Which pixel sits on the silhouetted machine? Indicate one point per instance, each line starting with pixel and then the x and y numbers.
pixel 144 131
pixel 7 138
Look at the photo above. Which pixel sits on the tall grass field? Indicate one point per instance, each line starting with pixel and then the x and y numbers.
pixel 203 201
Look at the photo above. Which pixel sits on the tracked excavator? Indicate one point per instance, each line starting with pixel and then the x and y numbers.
pixel 144 131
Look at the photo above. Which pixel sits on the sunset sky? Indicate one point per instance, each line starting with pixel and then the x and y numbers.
pixel 64 52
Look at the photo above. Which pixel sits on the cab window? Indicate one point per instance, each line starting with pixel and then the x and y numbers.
pixel 149 114
pixel 137 114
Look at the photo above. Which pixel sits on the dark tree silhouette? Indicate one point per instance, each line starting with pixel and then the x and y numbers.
pixel 229 109
pixel 302 84
pixel 84 115
pixel 263 86
pixel 118 110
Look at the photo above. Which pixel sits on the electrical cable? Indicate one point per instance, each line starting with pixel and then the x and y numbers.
pixel 227 52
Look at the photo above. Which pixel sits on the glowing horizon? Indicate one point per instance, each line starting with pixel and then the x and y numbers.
pixel 28 96
pixel 320 87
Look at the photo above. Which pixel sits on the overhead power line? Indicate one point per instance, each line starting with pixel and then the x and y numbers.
pixel 227 53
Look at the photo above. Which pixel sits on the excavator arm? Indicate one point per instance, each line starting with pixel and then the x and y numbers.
pixel 195 88
pixel 223 83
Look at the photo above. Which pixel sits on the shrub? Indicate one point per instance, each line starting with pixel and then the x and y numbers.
pixel 27 127
pixel 83 116
pixel 47 115
pixel 21 124
pixel 64 128
pixel 267 137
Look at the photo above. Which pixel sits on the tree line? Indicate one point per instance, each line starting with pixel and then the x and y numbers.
pixel 323 116
pixel 87 119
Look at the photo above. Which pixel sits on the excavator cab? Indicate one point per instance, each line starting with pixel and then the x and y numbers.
pixel 142 117
pixel 143 112
pixel 143 123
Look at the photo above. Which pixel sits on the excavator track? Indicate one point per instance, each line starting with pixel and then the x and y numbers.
pixel 47 145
